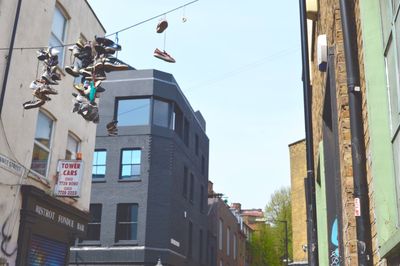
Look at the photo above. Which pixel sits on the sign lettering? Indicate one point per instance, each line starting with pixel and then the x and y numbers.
pixel 69 178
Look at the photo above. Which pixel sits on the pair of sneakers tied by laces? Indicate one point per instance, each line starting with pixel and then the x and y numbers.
pixel 163 55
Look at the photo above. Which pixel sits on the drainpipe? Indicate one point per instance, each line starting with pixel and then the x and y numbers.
pixel 10 51
pixel 312 238
pixel 361 199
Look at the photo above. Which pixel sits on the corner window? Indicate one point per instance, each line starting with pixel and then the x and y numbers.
pixel 161 113
pixel 133 112
pixel 42 144
pixel 178 121
pixel 72 147
pixel 130 163
pixel 127 219
pixel 93 227
pixel 99 164
pixel 58 33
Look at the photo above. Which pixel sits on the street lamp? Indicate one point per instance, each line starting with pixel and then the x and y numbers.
pixel 286 241
pixel 159 263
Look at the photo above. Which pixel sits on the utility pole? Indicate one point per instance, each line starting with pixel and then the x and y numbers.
pixel 286 241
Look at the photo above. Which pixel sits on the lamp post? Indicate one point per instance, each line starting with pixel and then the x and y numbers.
pixel 159 263
pixel 286 241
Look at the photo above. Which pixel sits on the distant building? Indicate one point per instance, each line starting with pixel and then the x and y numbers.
pixel 149 191
pixel 228 235
pixel 298 172
pixel 253 217
pixel 38 227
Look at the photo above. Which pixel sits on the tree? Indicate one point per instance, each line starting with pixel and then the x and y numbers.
pixel 267 245
pixel 279 209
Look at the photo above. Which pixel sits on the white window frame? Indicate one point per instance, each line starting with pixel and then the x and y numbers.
pixel 47 149
pixel 61 56
pixel 78 148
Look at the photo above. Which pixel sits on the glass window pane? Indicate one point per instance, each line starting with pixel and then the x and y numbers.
pixel 135 170
pixel 127 157
pixel 391 69
pixel 58 26
pixel 101 157
pixel 161 113
pixel 126 171
pixel 72 148
pixel 127 231
pixel 136 154
pixel 39 160
pixel 43 129
pixel 93 232
pixel 95 213
pixel 133 112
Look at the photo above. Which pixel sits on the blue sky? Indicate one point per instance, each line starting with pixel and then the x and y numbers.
pixel 239 63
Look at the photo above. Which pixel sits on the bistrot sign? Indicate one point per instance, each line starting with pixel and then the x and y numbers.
pixel 69 178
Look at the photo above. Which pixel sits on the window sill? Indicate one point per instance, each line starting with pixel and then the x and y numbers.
pixel 89 243
pixel 38 177
pixel 126 243
pixel 130 180
pixel 98 180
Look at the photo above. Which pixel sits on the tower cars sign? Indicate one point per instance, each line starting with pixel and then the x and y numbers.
pixel 69 178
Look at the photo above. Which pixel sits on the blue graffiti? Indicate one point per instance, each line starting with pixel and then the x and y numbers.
pixel 335 259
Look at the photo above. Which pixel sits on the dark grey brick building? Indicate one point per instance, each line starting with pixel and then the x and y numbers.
pixel 149 189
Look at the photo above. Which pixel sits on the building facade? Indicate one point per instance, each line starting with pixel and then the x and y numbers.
pixel 297 154
pixel 377 63
pixel 38 226
pixel 149 185
pixel 227 235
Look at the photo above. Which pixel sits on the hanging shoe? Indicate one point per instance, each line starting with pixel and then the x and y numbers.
pixel 48 90
pixel 72 70
pixel 35 85
pixel 113 64
pixel 75 50
pixel 161 26
pixel 163 56
pixel 42 54
pixel 33 104
pixel 38 93
pixel 47 78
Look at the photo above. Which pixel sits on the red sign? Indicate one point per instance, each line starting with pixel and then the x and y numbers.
pixel 69 178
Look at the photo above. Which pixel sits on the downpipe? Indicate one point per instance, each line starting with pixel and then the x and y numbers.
pixel 361 199
pixel 309 182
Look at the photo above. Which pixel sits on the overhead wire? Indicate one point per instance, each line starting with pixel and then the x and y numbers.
pixel 108 35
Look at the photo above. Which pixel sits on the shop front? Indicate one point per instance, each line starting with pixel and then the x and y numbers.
pixel 48 227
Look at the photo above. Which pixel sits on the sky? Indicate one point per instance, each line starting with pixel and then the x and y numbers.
pixel 239 64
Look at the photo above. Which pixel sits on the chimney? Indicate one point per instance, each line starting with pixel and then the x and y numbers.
pixel 210 188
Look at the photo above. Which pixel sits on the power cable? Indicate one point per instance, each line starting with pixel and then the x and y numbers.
pixel 108 35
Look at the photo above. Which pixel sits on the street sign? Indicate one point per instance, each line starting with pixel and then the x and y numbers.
pixel 69 178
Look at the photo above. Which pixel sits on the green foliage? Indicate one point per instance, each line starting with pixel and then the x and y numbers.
pixel 267 246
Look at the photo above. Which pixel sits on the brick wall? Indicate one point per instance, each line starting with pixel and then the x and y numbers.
pixel 298 171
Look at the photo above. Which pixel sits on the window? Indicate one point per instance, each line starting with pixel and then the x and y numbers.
pixel 234 247
pixel 130 163
pixel 127 218
pixel 203 165
pixel 190 239
pixel 42 143
pixel 202 199
pixel 72 147
pixel 93 228
pixel 185 182
pixel 196 144
pixel 220 225
pixel 191 188
pixel 391 36
pixel 99 164
pixel 133 112
pixel 186 130
pixel 178 121
pixel 58 36
pixel 161 113
pixel 228 241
